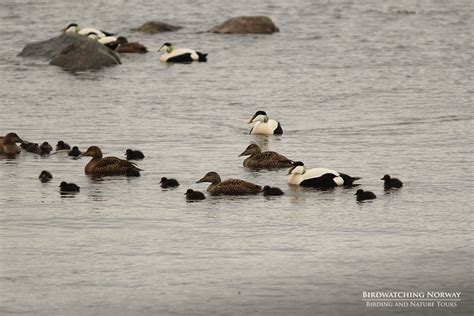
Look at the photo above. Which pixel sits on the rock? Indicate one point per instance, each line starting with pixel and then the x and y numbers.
pixel 153 27
pixel 73 52
pixel 246 25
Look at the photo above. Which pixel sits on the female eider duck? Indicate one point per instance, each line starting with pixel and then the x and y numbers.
pixel 318 177
pixel 230 186
pixel 108 166
pixel 62 146
pixel 264 160
pixel 264 125
pixel 362 195
pixel 192 195
pixel 8 144
pixel 390 182
pixel 124 47
pixel 180 55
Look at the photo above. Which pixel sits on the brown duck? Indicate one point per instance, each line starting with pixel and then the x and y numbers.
pixel 264 160
pixel 230 186
pixel 125 47
pixel 8 144
pixel 108 166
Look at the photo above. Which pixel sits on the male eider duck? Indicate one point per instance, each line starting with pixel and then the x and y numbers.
pixel 68 187
pixel 364 195
pixel 168 183
pixel 124 47
pixel 8 144
pixel 74 28
pixel 74 152
pixel 318 177
pixel 45 176
pixel 269 191
pixel 192 195
pixel 62 146
pixel 180 55
pixel 264 125
pixel 264 160
pixel 390 182
pixel 134 154
pixel 230 186
pixel 108 166
pixel 109 41
pixel 45 148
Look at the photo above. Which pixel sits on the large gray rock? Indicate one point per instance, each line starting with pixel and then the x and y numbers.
pixel 153 27
pixel 246 25
pixel 73 52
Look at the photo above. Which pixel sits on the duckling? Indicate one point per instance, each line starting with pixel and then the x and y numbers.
pixel 132 173
pixel 192 195
pixel 31 148
pixel 62 146
pixel 134 154
pixel 45 148
pixel 364 195
pixel 74 152
pixel 180 55
pixel 45 176
pixel 108 166
pixel 267 191
pixel 264 160
pixel 264 125
pixel 68 187
pixel 168 183
pixel 125 47
pixel 318 177
pixel 391 182
pixel 8 144
pixel 230 186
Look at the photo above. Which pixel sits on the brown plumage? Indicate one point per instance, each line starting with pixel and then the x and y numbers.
pixel 125 47
pixel 230 186
pixel 108 166
pixel 264 160
pixel 8 144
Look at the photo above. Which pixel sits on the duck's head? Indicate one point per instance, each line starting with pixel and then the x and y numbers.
pixel 386 177
pixel 45 175
pixel 63 184
pixel 128 151
pixel 163 179
pixel 122 40
pixel 359 192
pixel 93 151
pixel 266 188
pixel 71 28
pixel 259 116
pixel 12 138
pixel 251 149
pixel 166 47
pixel 212 177
pixel 297 168
pixel 189 191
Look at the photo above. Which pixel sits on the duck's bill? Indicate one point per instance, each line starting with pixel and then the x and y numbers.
pixel 290 170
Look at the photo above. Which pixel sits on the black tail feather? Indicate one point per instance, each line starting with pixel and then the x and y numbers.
pixel 348 180
pixel 202 57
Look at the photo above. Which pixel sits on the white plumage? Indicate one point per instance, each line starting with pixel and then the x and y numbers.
pixel 264 125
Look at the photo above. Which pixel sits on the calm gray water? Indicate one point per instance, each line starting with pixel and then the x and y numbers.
pixel 364 87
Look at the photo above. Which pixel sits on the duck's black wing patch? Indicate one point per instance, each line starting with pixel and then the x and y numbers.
pixel 183 58
pixel 324 181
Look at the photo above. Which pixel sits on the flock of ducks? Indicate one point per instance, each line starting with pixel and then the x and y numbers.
pixel 120 44
pixel 298 174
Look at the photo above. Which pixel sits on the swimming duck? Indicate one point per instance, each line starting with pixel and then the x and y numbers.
pixel 264 160
pixel 45 176
pixel 74 152
pixel 132 173
pixel 264 125
pixel 74 28
pixel 62 146
pixel 31 147
pixel 45 148
pixel 318 177
pixel 125 47
pixel 69 187
pixel 364 195
pixel 108 166
pixel 8 144
pixel 168 183
pixel 192 195
pixel 180 55
pixel 134 154
pixel 230 186
pixel 391 182
pixel 269 191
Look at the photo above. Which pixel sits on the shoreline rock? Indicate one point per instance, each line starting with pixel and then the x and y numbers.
pixel 246 25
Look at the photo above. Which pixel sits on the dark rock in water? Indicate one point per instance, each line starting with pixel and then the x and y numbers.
pixel 153 27
pixel 73 52
pixel 246 25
